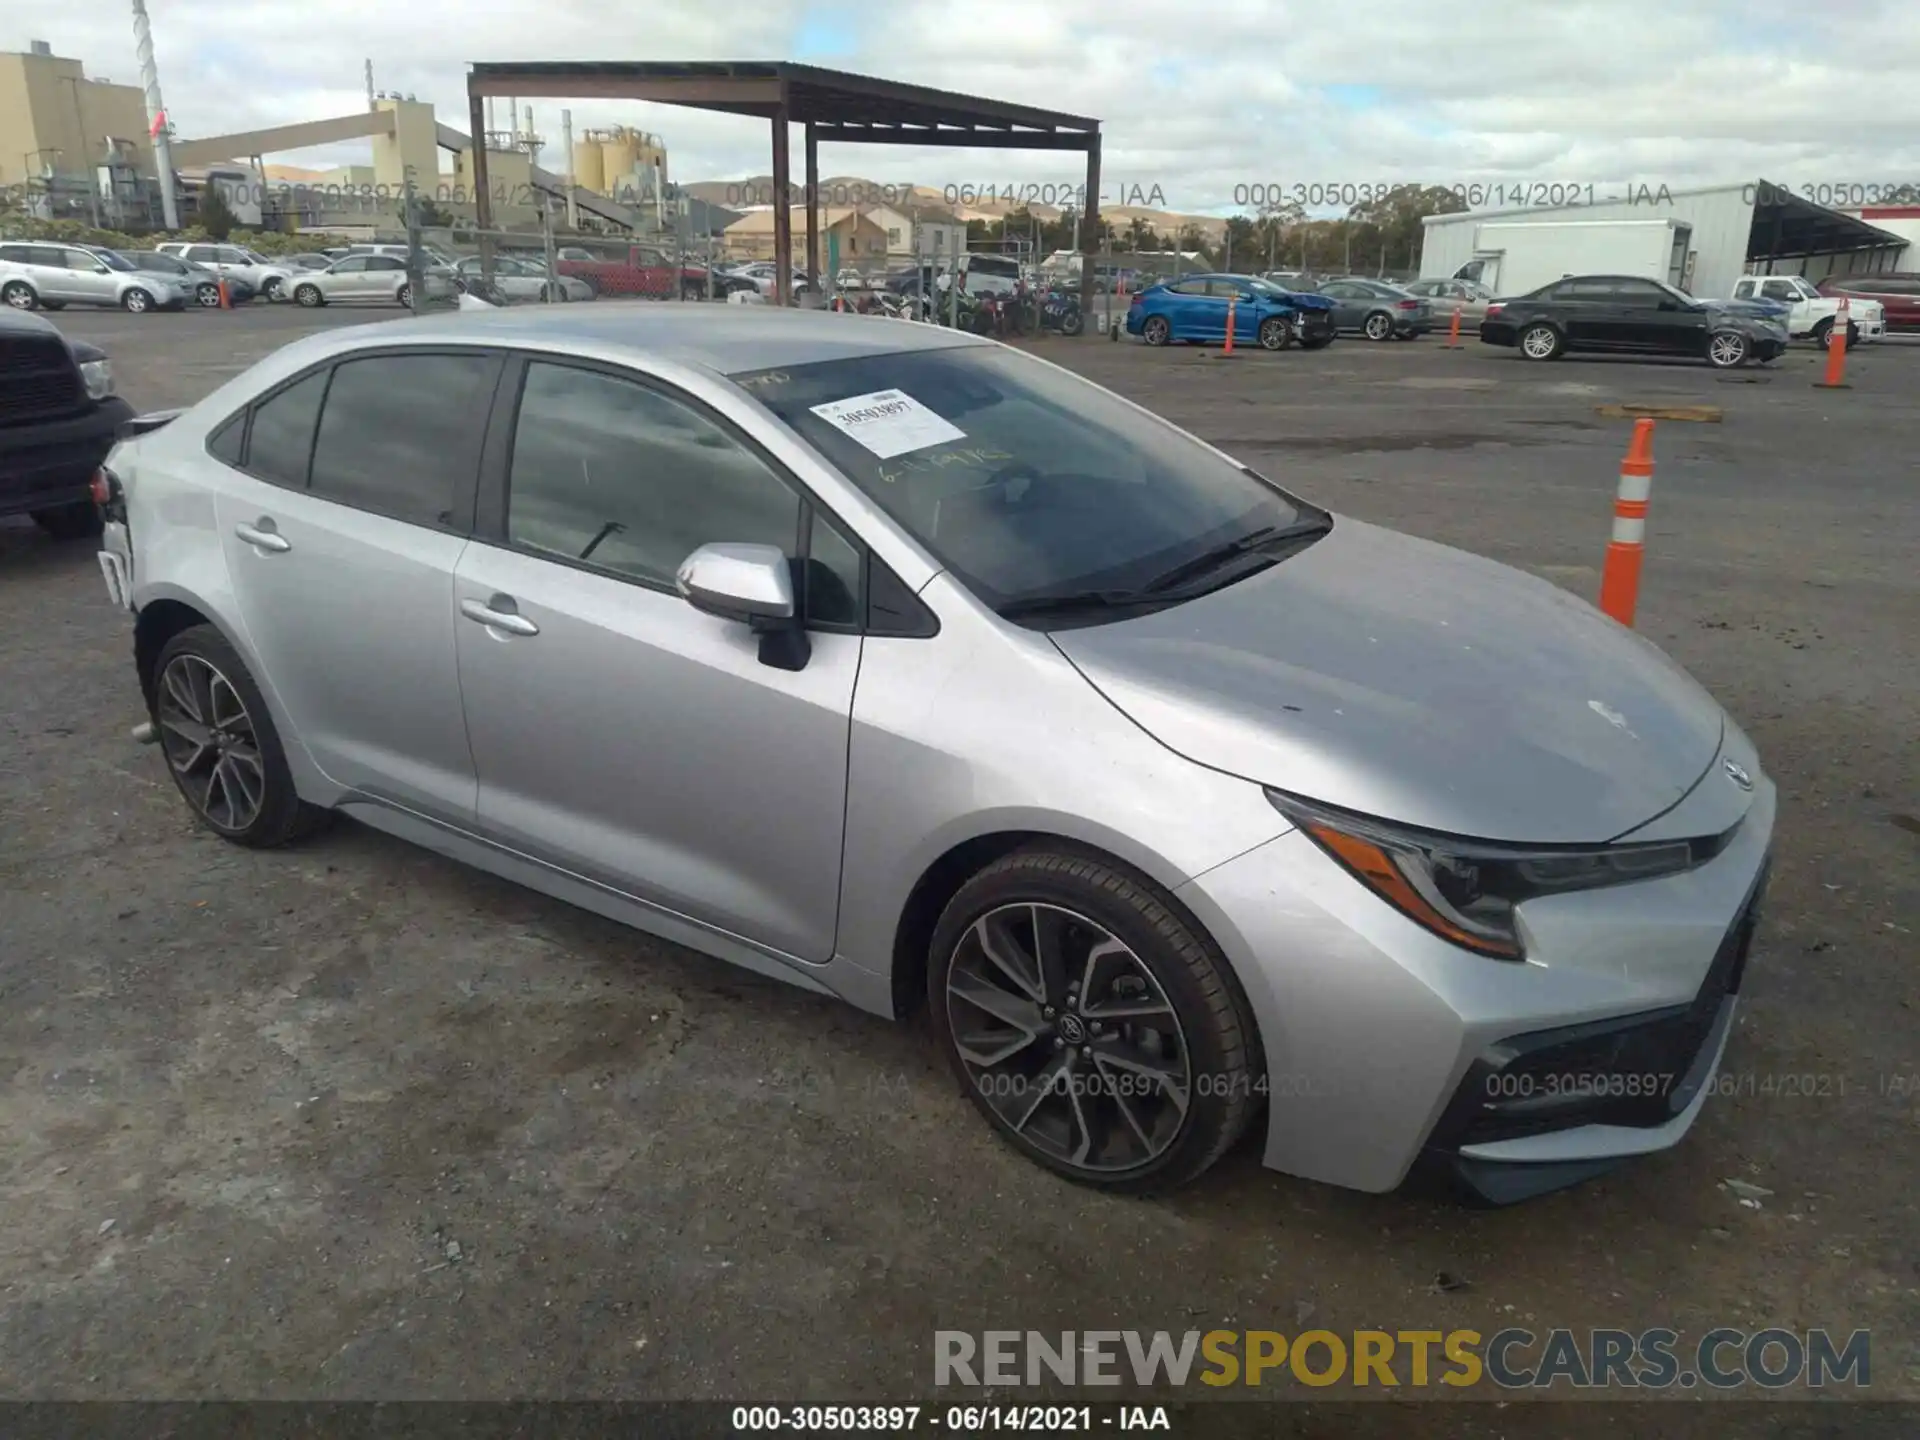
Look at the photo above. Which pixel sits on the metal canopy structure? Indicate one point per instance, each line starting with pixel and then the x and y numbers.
pixel 830 104
pixel 1787 227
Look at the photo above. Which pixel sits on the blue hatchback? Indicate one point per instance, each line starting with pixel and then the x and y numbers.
pixel 1194 308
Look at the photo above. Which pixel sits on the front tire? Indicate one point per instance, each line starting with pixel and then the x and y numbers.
pixel 1275 333
pixel 77 521
pixel 1097 1029
pixel 220 744
pixel 403 297
pixel 1156 331
pixel 1727 349
pixel 1541 342
pixel 136 301
pixel 208 296
pixel 308 297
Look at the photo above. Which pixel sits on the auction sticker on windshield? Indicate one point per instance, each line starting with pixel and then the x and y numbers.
pixel 888 422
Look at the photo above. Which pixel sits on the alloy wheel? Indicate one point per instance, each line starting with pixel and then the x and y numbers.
pixel 210 743
pixel 1069 1038
pixel 136 301
pixel 19 297
pixel 1539 343
pixel 1379 327
pixel 1727 350
pixel 208 295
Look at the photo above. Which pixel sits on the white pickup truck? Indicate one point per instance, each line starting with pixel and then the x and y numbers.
pixel 1812 313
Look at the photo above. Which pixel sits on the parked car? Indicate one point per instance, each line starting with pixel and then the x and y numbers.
pixel 363 277
pixel 633 272
pixel 204 283
pixel 763 273
pixel 1445 296
pixel 236 262
pixel 1194 309
pixel 1376 309
pixel 1897 294
pixel 1629 314
pixel 304 261
pixel 1810 314
pixel 58 417
pixel 822 594
pixel 517 279
pixel 40 274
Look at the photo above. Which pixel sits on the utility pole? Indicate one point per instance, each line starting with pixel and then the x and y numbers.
pixel 566 139
pixel 156 115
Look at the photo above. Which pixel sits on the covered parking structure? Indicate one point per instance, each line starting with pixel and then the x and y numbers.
pixel 830 104
pixel 1730 231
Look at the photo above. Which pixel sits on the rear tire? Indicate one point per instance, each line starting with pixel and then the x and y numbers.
pixel 404 297
pixel 226 759
pixel 1173 1077
pixel 19 295
pixel 1378 326
pixel 1541 342
pixel 77 521
pixel 1156 331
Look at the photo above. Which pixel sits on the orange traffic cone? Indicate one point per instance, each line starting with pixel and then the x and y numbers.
pixel 1620 578
pixel 1837 351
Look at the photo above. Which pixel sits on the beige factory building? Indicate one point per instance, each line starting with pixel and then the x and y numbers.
pixel 53 119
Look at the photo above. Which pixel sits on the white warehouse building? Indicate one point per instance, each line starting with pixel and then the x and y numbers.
pixel 1716 235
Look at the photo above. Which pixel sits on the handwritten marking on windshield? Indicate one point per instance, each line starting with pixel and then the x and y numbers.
pixel 971 456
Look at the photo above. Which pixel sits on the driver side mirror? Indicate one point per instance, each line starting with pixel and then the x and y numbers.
pixel 751 585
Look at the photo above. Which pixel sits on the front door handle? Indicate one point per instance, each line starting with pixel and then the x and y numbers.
pixel 269 539
pixel 509 620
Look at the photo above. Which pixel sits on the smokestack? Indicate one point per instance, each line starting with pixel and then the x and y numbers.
pixel 513 123
pixel 156 115
pixel 370 104
pixel 566 139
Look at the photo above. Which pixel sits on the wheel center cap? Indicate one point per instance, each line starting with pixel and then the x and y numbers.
pixel 1072 1030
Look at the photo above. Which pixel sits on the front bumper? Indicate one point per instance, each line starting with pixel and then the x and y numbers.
pixel 52 462
pixel 1383 1041
pixel 1314 325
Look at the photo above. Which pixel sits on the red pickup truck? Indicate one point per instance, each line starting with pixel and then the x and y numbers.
pixel 632 272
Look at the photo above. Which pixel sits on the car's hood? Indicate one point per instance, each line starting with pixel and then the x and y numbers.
pixel 1399 678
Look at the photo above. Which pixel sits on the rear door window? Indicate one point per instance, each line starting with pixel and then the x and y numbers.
pixel 280 440
pixel 400 434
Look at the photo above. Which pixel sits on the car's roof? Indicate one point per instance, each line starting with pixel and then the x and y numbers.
pixel 729 339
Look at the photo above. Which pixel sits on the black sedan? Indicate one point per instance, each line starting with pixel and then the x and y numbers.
pixel 1625 314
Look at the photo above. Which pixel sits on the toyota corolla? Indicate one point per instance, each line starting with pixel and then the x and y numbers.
pixel 903 666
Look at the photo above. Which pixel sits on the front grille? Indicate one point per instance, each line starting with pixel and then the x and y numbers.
pixel 38 380
pixel 1638 1071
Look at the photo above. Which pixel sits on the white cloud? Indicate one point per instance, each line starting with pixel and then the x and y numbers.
pixel 1198 103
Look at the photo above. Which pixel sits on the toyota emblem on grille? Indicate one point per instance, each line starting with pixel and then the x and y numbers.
pixel 1738 774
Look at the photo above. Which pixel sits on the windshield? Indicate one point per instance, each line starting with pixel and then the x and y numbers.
pixel 1024 480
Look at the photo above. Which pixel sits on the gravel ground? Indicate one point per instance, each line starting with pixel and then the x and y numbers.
pixel 349 1121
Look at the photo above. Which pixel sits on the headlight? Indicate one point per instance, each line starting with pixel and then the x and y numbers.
pixel 98 375
pixel 1465 891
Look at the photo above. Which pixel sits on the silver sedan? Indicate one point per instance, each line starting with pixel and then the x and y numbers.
pixel 1467 296
pixel 905 667
pixel 516 279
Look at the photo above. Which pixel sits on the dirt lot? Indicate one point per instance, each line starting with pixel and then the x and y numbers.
pixel 350 1121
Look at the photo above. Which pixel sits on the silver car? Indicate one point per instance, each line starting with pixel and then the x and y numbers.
pixel 39 274
pixel 901 665
pixel 1469 297
pixel 516 279
pixel 379 278
pixel 265 277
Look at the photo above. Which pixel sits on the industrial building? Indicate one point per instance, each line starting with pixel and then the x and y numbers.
pixel 72 142
pixel 1724 232
pixel 859 235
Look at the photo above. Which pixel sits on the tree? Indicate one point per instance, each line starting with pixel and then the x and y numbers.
pixel 1388 229
pixel 216 216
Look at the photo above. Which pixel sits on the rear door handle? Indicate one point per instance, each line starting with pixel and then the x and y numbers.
pixel 270 540
pixel 488 613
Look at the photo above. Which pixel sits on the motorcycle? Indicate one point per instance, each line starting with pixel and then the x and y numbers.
pixel 1060 310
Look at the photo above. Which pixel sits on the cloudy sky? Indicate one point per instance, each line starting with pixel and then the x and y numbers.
pixel 1201 104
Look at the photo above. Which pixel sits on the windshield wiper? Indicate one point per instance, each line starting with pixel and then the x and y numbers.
pixel 1067 601
pixel 1209 560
